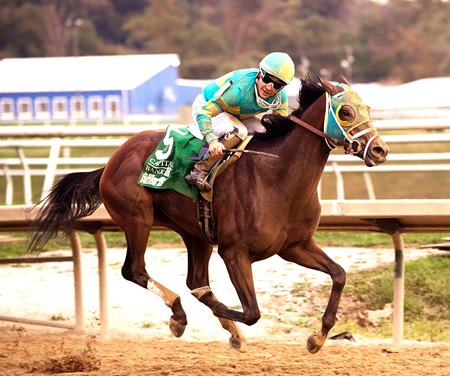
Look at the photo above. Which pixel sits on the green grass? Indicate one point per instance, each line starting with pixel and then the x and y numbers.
pixel 395 185
pixel 427 300
pixel 113 240
pixel 371 239
pixel 171 239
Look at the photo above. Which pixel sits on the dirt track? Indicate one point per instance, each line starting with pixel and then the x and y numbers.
pixel 140 343
pixel 24 352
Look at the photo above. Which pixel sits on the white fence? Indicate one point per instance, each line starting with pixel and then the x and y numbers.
pixel 393 217
pixel 59 140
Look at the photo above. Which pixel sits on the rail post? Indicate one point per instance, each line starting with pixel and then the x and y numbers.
pixel 399 289
pixel 102 279
pixel 78 282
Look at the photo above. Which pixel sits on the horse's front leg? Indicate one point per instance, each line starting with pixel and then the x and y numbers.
pixel 239 268
pixel 313 257
pixel 237 340
pixel 199 254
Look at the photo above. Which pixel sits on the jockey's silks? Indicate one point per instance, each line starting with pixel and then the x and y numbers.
pixel 235 93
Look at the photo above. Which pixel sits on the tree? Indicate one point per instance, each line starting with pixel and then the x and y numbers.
pixel 161 28
pixel 23 38
pixel 401 40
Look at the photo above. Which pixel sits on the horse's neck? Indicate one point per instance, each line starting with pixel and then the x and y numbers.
pixel 304 143
pixel 305 153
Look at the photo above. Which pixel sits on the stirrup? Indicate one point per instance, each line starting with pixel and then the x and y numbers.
pixel 194 179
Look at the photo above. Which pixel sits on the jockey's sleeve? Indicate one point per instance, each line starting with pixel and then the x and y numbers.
pixel 212 108
pixel 203 119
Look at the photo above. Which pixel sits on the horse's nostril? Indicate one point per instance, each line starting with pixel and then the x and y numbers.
pixel 380 151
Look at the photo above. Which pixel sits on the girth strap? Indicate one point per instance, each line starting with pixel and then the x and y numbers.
pixel 206 220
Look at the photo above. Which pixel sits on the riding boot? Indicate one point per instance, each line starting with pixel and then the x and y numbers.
pixel 201 169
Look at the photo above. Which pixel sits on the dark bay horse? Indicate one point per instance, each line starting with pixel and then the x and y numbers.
pixel 263 206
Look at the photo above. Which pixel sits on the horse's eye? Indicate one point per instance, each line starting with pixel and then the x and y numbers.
pixel 346 112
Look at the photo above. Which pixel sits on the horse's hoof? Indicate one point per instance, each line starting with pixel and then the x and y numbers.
pixel 176 328
pixel 237 343
pixel 312 344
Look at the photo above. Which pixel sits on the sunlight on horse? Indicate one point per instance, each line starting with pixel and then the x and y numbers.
pixel 262 206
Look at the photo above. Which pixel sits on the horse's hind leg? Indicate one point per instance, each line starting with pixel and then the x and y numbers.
pixel 136 222
pixel 131 208
pixel 313 257
pixel 199 254
pixel 133 270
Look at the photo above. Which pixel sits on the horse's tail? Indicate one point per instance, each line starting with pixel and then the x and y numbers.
pixel 75 196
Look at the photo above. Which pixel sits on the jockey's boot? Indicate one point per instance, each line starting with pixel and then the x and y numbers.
pixel 200 172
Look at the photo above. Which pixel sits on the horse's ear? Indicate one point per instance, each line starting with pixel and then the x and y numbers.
pixel 344 80
pixel 329 87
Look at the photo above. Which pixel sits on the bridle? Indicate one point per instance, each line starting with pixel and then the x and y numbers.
pixel 309 127
pixel 337 132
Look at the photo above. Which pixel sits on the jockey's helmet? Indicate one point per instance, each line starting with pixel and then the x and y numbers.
pixel 280 65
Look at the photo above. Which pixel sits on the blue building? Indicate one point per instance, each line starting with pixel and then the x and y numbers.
pixel 87 88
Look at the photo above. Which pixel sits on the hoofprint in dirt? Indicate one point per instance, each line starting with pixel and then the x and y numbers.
pixel 45 292
pixel 39 352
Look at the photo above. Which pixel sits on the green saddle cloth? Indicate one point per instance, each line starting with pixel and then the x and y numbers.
pixel 169 163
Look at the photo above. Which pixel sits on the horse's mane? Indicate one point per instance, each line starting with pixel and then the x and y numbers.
pixel 310 91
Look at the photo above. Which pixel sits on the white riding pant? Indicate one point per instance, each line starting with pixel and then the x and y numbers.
pixel 225 123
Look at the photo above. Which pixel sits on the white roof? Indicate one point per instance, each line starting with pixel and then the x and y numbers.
pixel 83 73
pixel 423 93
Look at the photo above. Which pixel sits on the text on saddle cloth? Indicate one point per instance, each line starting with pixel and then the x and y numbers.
pixel 173 158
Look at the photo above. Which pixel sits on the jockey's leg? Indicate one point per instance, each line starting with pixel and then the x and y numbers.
pixel 232 132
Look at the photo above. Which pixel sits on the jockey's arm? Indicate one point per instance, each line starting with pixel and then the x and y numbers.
pixel 223 101
pixel 203 119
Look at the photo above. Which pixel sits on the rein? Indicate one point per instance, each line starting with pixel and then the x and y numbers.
pixel 309 127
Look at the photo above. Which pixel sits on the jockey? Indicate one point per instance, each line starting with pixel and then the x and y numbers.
pixel 225 111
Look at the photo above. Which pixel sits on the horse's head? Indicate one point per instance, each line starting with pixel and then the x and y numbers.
pixel 348 119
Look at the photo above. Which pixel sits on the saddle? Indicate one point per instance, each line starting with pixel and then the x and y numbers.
pixel 205 199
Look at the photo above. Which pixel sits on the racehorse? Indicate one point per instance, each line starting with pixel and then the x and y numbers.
pixel 262 207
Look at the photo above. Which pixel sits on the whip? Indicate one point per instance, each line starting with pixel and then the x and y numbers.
pixel 251 152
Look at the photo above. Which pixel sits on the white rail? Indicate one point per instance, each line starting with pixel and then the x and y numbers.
pixel 408 124
pixel 59 140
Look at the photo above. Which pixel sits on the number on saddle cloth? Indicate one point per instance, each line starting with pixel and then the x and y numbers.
pixel 171 161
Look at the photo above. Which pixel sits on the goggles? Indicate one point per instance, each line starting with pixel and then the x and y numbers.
pixel 269 79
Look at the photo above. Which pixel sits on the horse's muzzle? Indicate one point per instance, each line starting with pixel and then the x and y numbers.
pixel 376 153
